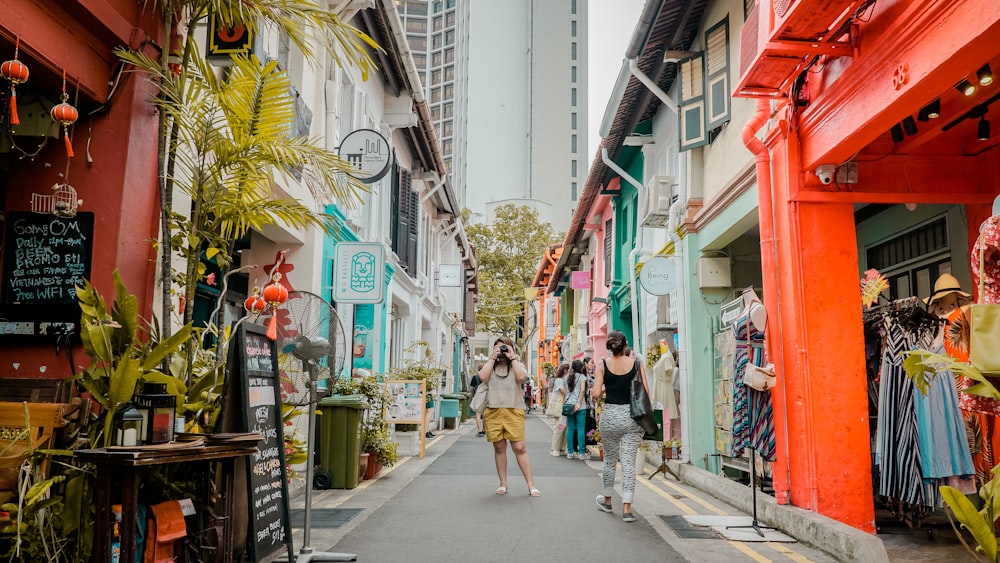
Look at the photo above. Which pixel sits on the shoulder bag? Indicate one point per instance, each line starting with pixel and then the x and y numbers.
pixel 479 400
pixel 984 325
pixel 640 407
pixel 760 378
pixel 569 407
pixel 555 405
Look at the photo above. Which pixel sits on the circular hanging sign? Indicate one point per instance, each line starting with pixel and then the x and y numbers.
pixel 658 275
pixel 368 153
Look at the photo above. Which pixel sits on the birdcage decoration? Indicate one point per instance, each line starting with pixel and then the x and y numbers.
pixel 63 202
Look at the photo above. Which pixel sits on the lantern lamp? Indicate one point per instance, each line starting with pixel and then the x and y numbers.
pixel 255 304
pixel 275 294
pixel 16 73
pixel 65 115
pixel 127 426
pixel 158 410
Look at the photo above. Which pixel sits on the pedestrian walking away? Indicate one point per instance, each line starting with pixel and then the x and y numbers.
pixel 576 412
pixel 503 418
pixel 557 396
pixel 620 435
pixel 474 385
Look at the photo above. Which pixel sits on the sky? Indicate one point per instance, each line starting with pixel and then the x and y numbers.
pixel 610 26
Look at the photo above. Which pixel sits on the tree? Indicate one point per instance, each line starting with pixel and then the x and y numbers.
pixel 508 251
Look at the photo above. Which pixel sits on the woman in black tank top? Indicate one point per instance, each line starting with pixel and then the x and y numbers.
pixel 620 435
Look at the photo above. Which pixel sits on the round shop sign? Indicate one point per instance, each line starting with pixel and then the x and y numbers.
pixel 658 275
pixel 368 153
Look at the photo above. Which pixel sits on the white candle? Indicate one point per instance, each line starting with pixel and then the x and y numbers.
pixel 129 437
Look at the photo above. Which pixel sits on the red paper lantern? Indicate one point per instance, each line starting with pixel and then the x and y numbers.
pixel 16 73
pixel 255 304
pixel 65 115
pixel 275 294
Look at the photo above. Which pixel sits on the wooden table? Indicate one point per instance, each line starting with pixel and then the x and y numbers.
pixel 126 465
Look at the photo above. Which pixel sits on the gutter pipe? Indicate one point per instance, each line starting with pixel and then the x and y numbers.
pixel 634 254
pixel 769 263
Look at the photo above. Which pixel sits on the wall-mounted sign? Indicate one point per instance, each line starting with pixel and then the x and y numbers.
pixel 359 272
pixel 658 275
pixel 368 153
pixel 580 280
pixel 225 40
pixel 450 275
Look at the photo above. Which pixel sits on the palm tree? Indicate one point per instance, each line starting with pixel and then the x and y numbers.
pixel 223 141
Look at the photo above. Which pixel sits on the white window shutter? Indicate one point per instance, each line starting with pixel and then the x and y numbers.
pixel 717 85
pixel 692 102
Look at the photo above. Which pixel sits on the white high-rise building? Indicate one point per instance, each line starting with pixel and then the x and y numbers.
pixel 507 86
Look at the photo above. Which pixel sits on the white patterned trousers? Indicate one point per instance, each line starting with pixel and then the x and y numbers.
pixel 620 436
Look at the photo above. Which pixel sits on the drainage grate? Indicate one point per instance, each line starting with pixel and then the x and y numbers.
pixel 683 529
pixel 324 517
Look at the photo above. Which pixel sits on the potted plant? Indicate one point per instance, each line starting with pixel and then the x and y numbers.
pixel 671 448
pixel 595 435
pixel 374 428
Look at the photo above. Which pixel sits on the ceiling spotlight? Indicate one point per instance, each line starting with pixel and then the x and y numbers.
pixel 897 133
pixel 930 111
pixel 985 75
pixel 966 88
pixel 909 125
pixel 983 131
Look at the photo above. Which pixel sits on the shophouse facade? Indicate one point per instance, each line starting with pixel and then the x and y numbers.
pixel 411 212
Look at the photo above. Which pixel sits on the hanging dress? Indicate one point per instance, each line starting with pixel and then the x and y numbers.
pixel 944 449
pixel 753 418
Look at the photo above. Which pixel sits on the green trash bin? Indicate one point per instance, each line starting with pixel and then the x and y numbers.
pixel 340 440
pixel 464 405
pixel 460 405
pixel 449 412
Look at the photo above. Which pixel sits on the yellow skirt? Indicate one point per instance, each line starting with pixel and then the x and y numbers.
pixel 504 424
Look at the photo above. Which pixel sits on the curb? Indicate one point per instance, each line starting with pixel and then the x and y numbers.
pixel 843 542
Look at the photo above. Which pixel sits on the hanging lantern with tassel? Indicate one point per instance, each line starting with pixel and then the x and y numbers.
pixel 275 294
pixel 16 73
pixel 255 304
pixel 65 115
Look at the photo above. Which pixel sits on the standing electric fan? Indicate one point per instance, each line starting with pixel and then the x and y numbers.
pixel 312 347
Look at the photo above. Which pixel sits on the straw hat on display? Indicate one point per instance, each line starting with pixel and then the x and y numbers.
pixel 945 285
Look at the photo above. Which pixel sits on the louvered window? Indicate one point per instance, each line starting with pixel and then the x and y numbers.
pixel 717 76
pixel 405 230
pixel 704 89
pixel 692 103
pixel 608 251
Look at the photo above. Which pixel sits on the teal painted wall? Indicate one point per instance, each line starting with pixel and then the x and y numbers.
pixel 702 312
pixel 626 207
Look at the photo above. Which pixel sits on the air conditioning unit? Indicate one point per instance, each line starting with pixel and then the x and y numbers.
pixel 658 197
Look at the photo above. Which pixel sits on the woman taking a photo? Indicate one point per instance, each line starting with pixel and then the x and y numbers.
pixel 503 418
pixel 620 435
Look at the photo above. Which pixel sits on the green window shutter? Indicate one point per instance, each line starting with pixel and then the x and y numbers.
pixel 717 85
pixel 692 102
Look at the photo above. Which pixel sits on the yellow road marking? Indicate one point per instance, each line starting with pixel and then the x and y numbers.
pixel 749 552
pixel 788 552
pixel 684 508
pixel 695 498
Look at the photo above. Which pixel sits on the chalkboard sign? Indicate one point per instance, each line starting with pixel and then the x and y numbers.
pixel 45 258
pixel 253 381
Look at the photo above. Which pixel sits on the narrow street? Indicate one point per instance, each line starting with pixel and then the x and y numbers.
pixel 443 508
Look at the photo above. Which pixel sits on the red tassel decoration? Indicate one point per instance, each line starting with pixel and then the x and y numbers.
pixel 272 327
pixel 13 107
pixel 69 144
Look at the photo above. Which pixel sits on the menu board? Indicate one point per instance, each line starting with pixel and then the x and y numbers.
pixel 45 258
pixel 254 374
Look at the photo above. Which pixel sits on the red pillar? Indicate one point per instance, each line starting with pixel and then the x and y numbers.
pixel 821 414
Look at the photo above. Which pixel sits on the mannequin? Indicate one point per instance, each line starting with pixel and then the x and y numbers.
pixel 663 382
pixel 753 305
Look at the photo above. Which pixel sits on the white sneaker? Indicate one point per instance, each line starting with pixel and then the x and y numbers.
pixel 570 456
pixel 553 453
pixel 583 456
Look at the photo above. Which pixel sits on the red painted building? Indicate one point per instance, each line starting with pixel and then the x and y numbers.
pixel 847 87
pixel 114 170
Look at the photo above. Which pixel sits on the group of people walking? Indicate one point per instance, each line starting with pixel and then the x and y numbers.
pixel 578 387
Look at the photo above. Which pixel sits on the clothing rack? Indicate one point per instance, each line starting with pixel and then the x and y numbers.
pixel 896 306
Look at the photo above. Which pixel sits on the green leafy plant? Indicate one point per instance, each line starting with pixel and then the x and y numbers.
pixel 374 428
pixel 424 368
pixel 922 367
